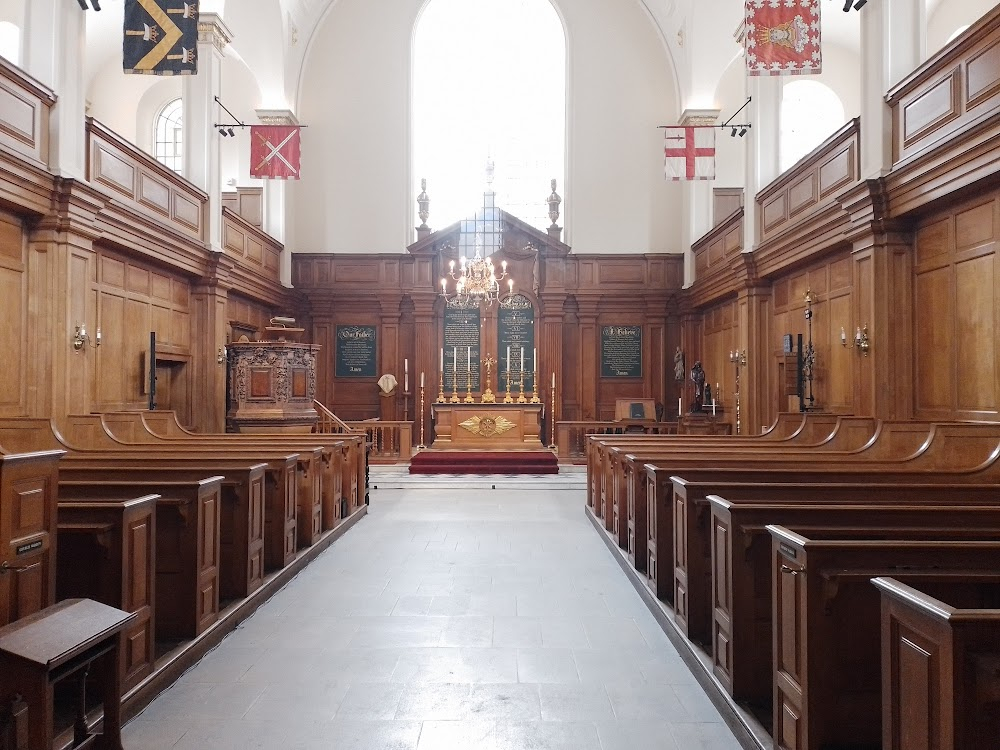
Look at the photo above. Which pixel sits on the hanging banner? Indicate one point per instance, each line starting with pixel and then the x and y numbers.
pixel 783 38
pixel 274 152
pixel 689 153
pixel 160 37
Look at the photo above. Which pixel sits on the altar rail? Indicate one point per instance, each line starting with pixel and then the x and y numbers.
pixel 391 442
pixel 571 437
pixel 329 423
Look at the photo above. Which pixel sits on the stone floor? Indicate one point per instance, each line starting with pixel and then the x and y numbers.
pixel 447 619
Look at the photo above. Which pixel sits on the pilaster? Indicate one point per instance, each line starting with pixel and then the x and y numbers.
pixel 753 306
pixel 209 302
pixel 587 377
pixel 551 360
pixel 763 147
pixel 425 359
pixel 696 200
pixel 201 142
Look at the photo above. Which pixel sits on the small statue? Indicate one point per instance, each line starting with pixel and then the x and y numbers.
pixel 679 365
pixel 698 378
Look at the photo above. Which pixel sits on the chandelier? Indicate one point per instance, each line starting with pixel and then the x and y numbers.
pixel 477 282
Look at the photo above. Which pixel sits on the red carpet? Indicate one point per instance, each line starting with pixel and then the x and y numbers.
pixel 483 462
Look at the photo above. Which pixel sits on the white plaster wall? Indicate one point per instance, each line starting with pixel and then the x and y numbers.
pixel 730 159
pixel 950 15
pixel 356 193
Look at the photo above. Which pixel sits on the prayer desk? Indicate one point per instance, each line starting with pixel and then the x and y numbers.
pixel 75 639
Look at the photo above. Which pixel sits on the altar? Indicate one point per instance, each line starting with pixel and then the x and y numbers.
pixel 486 427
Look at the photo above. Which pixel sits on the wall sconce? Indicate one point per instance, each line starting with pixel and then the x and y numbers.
pixel 861 340
pixel 222 356
pixel 81 337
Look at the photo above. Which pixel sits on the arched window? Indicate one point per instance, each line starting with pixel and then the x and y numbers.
pixel 10 42
pixel 810 113
pixel 489 83
pixel 168 139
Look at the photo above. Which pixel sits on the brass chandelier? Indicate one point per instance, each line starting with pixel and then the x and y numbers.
pixel 477 282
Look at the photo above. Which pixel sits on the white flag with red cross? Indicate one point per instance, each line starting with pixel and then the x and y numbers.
pixel 689 153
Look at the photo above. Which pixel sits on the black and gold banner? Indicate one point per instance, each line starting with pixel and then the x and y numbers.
pixel 161 37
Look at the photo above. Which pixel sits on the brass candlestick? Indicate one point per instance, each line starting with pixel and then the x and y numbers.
pixel 520 398
pixel 507 398
pixel 468 381
pixel 441 397
pixel 454 382
pixel 739 359
pixel 488 397
pixel 552 419
pixel 534 386
pixel 421 444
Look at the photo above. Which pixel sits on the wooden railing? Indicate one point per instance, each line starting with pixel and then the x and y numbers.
pixel 571 437
pixel 25 106
pixel 329 423
pixel 250 246
pixel 391 442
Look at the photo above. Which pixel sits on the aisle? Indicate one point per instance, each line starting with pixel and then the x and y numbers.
pixel 447 619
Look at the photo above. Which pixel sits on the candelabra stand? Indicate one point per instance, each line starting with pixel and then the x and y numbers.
pixel 809 355
pixel 421 444
pixel 520 398
pixel 739 359
pixel 507 399
pixel 454 384
pixel 552 419
pixel 468 381
pixel 534 384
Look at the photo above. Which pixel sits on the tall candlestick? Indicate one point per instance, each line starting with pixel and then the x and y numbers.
pixel 406 382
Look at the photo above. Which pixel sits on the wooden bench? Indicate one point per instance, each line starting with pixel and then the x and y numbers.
pixel 353 453
pixel 632 484
pixel 741 635
pixel 826 617
pixel 107 552
pixel 188 516
pixel 940 667
pixel 28 496
pixel 241 524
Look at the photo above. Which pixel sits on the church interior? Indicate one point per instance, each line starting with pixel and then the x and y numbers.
pixel 362 362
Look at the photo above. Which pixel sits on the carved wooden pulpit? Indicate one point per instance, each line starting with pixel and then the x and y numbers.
pixel 273 386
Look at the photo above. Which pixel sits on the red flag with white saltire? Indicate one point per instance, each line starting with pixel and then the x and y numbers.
pixel 274 151
pixel 689 153
pixel 783 37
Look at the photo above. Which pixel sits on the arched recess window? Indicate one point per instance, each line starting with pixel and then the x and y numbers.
pixel 489 83
pixel 10 42
pixel 168 144
pixel 810 113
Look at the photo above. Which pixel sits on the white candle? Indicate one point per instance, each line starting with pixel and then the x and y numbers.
pixel 454 357
pixel 508 360
pixel 534 359
pixel 713 406
pixel 553 380
pixel 421 379
pixel 406 382
pixel 469 363
pixel 678 406
pixel 406 366
pixel 442 359
pixel 522 359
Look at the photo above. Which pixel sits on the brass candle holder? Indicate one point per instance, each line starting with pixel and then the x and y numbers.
pixel 507 398
pixel 454 383
pixel 520 398
pixel 421 444
pixel 552 419
pixel 441 397
pixel 488 396
pixel 534 386
pixel 468 381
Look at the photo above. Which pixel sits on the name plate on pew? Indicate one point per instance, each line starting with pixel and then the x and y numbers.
pixel 23 549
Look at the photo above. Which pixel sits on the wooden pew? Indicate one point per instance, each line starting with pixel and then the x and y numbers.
pixel 944 454
pixel 107 552
pixel 241 514
pixel 844 433
pixel 319 480
pixel 187 551
pixel 28 496
pixel 940 668
pixel 826 617
pixel 280 490
pixel 354 458
pixel 740 604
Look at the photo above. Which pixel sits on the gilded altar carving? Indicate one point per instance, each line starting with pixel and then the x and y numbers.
pixel 487 426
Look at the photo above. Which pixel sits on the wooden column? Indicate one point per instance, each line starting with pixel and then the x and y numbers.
pixel 426 360
pixel 883 301
pixel 659 354
pixel 390 358
pixel 590 341
pixel 550 356
pixel 60 275
pixel 209 299
pixel 756 410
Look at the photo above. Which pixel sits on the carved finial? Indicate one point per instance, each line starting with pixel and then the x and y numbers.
pixel 554 200
pixel 423 203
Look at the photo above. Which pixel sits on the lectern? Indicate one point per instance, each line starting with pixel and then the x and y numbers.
pixel 76 640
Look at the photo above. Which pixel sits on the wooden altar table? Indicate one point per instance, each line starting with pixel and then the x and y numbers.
pixel 487 426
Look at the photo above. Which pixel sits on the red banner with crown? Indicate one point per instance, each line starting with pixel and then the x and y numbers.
pixel 783 37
